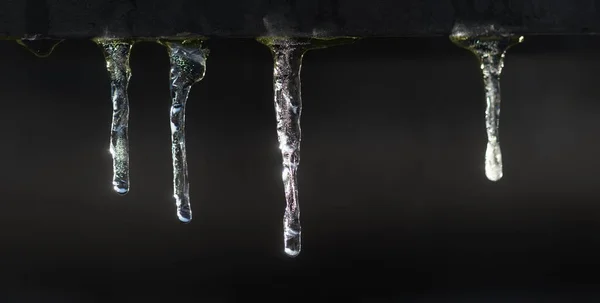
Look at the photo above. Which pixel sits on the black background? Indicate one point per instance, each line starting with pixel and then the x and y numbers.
pixel 395 204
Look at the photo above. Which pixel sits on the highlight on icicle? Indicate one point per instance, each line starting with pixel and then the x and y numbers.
pixel 489 43
pixel 287 64
pixel 116 53
pixel 41 47
pixel 188 66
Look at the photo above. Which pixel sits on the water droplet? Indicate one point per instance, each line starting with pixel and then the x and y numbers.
pixel 40 47
pixel 489 43
pixel 188 66
pixel 287 65
pixel 116 54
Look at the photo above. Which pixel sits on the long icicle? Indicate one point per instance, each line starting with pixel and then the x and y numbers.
pixel 116 54
pixel 287 64
pixel 288 108
pixel 188 66
pixel 489 43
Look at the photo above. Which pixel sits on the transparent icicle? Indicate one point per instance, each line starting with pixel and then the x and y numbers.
pixel 287 59
pixel 188 66
pixel 116 54
pixel 287 64
pixel 489 43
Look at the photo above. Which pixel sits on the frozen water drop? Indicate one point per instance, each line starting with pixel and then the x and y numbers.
pixel 489 43
pixel 188 66
pixel 116 54
pixel 287 64
pixel 41 47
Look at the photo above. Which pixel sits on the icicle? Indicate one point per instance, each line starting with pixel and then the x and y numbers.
pixel 188 66
pixel 489 43
pixel 41 47
pixel 116 54
pixel 287 56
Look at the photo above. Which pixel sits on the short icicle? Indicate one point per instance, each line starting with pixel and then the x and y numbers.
pixel 41 47
pixel 116 53
pixel 188 66
pixel 287 61
pixel 489 43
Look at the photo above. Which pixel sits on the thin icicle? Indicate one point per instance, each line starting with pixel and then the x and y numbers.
pixel 188 66
pixel 489 43
pixel 288 108
pixel 116 53
pixel 287 64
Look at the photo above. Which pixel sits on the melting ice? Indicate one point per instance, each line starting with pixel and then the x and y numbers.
pixel 188 66
pixel 489 43
pixel 116 54
pixel 287 64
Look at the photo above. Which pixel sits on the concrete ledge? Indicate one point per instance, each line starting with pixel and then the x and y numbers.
pixel 68 19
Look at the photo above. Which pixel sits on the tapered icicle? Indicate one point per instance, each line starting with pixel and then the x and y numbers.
pixel 287 62
pixel 489 43
pixel 188 66
pixel 288 107
pixel 116 53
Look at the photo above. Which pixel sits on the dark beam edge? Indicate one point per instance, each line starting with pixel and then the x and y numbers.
pixel 282 35
pixel 151 19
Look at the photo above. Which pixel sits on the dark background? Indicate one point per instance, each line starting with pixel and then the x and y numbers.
pixel 395 204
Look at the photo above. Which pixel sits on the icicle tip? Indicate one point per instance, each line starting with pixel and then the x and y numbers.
pixel 291 252
pixel 184 216
pixel 121 188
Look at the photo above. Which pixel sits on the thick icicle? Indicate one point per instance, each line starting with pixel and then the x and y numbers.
pixel 287 57
pixel 41 47
pixel 116 53
pixel 188 65
pixel 288 107
pixel 489 43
